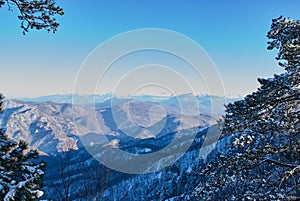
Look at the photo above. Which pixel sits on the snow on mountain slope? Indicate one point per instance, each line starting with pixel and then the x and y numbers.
pixel 68 98
pixel 50 127
pixel 46 127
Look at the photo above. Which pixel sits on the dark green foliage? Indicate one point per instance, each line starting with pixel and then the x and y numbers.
pixel 261 133
pixel 274 105
pixel 20 176
pixel 35 14
pixel 285 36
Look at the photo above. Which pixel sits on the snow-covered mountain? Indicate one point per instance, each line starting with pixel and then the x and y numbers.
pixel 68 98
pixel 44 126
pixel 50 127
pixel 59 131
pixel 205 101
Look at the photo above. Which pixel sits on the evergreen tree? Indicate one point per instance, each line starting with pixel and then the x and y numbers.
pixel 261 133
pixel 20 176
pixel 35 14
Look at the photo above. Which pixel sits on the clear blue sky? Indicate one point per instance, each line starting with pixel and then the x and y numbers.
pixel 232 32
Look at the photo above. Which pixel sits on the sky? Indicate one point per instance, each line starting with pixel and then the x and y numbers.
pixel 232 33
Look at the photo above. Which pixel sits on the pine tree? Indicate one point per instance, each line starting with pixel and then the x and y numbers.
pixel 261 133
pixel 35 14
pixel 21 176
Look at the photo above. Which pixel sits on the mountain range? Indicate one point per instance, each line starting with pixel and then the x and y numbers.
pixel 80 134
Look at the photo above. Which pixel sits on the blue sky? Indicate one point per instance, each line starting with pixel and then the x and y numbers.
pixel 233 33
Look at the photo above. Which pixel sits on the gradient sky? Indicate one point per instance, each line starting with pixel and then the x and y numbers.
pixel 233 33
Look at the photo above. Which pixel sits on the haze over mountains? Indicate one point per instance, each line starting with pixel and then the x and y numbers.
pixel 140 125
pixel 47 123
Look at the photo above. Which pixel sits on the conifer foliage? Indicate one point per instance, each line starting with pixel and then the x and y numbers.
pixel 20 176
pixel 261 133
pixel 35 14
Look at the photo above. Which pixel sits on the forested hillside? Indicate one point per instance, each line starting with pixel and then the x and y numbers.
pixel 261 156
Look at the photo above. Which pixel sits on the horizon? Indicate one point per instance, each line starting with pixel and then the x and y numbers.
pixel 123 96
pixel 233 34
